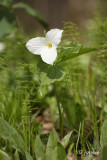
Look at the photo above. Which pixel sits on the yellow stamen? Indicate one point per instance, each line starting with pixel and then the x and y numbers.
pixel 49 45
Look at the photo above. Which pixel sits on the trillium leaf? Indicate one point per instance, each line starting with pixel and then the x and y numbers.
pixel 7 21
pixel 9 133
pixel 32 12
pixel 103 139
pixel 50 74
pixel 69 50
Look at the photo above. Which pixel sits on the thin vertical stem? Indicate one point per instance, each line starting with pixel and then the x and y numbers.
pixel 60 112
pixel 60 118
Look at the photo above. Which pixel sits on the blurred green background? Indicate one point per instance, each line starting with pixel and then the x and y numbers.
pixel 57 11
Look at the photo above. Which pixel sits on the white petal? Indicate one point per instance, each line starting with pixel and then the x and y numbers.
pixel 54 36
pixel 35 45
pixel 49 55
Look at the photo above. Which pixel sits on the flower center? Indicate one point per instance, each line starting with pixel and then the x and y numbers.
pixel 49 45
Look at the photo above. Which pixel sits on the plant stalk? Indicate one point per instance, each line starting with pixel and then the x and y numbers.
pixel 60 112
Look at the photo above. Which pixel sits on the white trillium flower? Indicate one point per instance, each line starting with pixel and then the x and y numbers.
pixel 46 47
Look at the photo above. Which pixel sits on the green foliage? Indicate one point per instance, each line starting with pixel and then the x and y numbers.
pixel 88 157
pixel 61 152
pixel 7 21
pixel 103 138
pixel 54 148
pixel 69 50
pixel 71 32
pixel 65 140
pixel 74 113
pixel 39 148
pixel 28 156
pixel 99 30
pixel 7 132
pixel 4 156
pixel 5 3
pixel 16 155
pixel 50 74
pixel 32 12
pixel 52 155
pixel 30 93
pixel 52 141
pixel 104 153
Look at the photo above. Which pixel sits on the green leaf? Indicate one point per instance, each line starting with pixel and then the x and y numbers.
pixel 74 113
pixel 28 156
pixel 16 155
pixel 103 138
pixel 32 12
pixel 105 107
pixel 7 21
pixel 61 152
pixel 52 141
pixel 69 50
pixel 88 157
pixel 3 155
pixel 50 74
pixel 53 155
pixel 5 3
pixel 104 153
pixel 39 148
pixel 69 150
pixel 66 139
pixel 58 153
pixel 7 132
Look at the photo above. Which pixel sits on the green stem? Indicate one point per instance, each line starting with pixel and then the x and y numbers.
pixel 60 118
pixel 60 112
